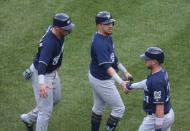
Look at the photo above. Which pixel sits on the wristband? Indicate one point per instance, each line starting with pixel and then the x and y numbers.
pixel 32 68
pixel 41 79
pixel 122 68
pixel 117 78
pixel 158 129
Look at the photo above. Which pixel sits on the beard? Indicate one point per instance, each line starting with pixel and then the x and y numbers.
pixel 149 67
pixel 108 33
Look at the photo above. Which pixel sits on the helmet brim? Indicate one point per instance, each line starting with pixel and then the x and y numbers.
pixel 108 21
pixel 144 57
pixel 68 27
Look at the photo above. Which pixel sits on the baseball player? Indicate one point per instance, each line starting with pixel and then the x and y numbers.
pixel 156 86
pixel 103 74
pixel 43 71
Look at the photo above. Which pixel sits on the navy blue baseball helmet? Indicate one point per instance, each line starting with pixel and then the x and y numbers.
pixel 104 17
pixel 153 53
pixel 63 20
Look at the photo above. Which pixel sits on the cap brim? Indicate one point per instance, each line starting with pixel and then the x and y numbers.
pixel 69 27
pixel 144 57
pixel 108 21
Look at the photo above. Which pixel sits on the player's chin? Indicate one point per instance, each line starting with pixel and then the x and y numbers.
pixel 109 32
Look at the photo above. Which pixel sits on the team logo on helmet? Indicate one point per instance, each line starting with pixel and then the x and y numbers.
pixel 68 22
pixel 108 16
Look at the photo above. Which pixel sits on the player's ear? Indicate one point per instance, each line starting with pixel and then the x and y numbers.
pixel 99 25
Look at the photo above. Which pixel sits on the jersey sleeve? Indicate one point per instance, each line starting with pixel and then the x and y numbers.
pixel 102 53
pixel 159 92
pixel 115 64
pixel 46 53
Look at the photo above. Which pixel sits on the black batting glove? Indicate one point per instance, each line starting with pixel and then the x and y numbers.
pixel 27 74
pixel 128 85
pixel 129 78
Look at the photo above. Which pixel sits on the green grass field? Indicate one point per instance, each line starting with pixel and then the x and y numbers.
pixel 140 24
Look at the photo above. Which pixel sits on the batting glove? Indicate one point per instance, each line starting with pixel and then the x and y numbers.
pixel 27 74
pixel 128 85
pixel 129 78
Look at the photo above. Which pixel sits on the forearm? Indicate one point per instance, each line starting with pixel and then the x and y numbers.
pixel 114 75
pixel 41 73
pixel 159 116
pixel 122 68
pixel 126 75
pixel 139 85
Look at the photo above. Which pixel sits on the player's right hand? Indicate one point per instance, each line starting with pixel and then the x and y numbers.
pixel 124 86
pixel 27 74
pixel 43 90
pixel 128 77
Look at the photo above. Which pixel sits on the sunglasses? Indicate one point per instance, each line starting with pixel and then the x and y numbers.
pixel 69 31
pixel 109 23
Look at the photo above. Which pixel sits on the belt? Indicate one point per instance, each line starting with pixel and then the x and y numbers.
pixel 150 113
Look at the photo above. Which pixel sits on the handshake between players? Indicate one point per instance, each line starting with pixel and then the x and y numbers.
pixel 103 74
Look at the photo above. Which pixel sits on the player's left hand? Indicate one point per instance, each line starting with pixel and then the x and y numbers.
pixel 127 77
pixel 43 90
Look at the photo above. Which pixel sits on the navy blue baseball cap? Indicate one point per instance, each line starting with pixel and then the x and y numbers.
pixel 153 53
pixel 63 20
pixel 104 17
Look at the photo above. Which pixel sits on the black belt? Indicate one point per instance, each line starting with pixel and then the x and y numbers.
pixel 150 113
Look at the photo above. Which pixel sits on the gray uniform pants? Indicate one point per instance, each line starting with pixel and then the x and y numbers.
pixel 105 92
pixel 148 123
pixel 42 112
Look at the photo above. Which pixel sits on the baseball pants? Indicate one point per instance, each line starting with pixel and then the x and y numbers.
pixel 148 123
pixel 105 92
pixel 44 106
